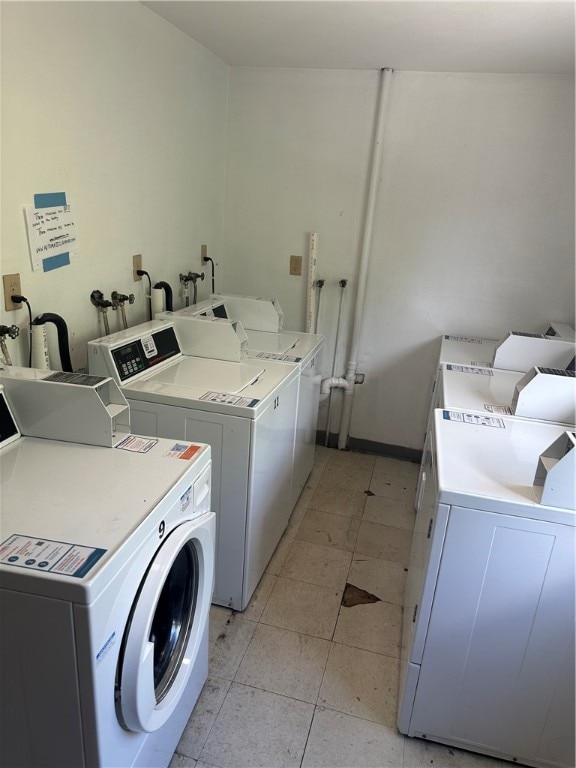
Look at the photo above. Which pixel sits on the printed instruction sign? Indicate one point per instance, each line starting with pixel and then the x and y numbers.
pixel 51 229
pixel 47 555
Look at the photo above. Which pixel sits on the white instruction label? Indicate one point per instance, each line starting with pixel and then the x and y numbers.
pixel 470 369
pixel 474 418
pixel 503 409
pixel 220 397
pixel 47 555
pixel 481 363
pixel 137 444
pixel 149 346
pixel 468 339
pixel 278 356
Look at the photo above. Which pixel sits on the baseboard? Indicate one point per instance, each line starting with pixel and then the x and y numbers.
pixel 369 446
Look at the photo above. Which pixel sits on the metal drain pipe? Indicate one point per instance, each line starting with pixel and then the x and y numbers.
pixel 351 376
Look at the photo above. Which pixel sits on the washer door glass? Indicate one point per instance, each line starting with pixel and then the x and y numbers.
pixel 173 618
pixel 165 628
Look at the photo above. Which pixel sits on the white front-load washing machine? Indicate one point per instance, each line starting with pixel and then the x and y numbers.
pixel 106 575
pixel 246 412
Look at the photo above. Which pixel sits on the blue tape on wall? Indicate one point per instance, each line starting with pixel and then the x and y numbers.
pixel 50 200
pixel 54 262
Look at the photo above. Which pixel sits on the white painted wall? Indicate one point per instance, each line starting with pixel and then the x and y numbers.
pixel 474 230
pixel 112 105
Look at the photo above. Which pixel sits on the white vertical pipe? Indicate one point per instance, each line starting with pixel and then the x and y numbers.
pixel 310 299
pixel 384 93
pixel 156 301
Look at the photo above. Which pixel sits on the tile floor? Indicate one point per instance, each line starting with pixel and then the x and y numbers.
pixel 308 674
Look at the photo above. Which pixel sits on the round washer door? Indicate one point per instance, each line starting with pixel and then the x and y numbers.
pixel 165 629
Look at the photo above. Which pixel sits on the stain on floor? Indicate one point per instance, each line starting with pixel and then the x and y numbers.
pixel 355 596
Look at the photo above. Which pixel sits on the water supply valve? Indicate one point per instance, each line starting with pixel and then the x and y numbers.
pixel 12 332
pixel 118 299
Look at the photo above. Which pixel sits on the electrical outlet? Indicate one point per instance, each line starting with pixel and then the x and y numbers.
pixel 11 287
pixel 295 265
pixel 203 253
pixel 136 264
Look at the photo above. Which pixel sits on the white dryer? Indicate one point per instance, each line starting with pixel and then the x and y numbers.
pixel 246 411
pixel 265 343
pixel 487 658
pixel 106 573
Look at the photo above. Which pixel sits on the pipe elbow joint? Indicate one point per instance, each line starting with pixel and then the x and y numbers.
pixel 333 382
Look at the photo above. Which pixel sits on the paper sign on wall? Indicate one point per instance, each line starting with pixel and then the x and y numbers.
pixel 51 229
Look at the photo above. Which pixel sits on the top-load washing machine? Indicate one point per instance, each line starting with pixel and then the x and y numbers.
pixel 487 659
pixel 106 574
pixel 266 342
pixel 246 411
pixel 541 394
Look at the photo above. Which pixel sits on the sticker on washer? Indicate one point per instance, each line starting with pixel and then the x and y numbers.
pixel 469 339
pixel 182 451
pixel 278 356
pixel 46 555
pixel 503 409
pixel 137 444
pixel 108 645
pixel 470 369
pixel 220 397
pixel 149 346
pixel 186 499
pixel 474 418
pixel 481 364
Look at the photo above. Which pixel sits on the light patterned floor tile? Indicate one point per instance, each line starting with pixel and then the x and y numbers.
pixel 284 662
pixel 253 610
pixel 397 514
pixel 354 459
pixel 258 729
pixel 301 607
pixel 390 467
pixel 281 553
pixel 315 564
pixel 361 683
pixel 383 578
pixel 374 627
pixel 419 753
pixel 203 717
pixel 229 646
pixel 181 761
pixel 345 501
pixel 400 489
pixel 382 541
pixel 340 741
pixel 342 475
pixel 329 530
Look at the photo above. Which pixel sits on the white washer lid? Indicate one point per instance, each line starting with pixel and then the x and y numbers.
pixel 206 374
pixel 264 341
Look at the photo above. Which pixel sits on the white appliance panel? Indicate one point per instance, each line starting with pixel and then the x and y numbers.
pixel 498 636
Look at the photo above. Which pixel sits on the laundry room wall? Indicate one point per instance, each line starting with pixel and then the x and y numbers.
pixel 126 115
pixel 474 224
